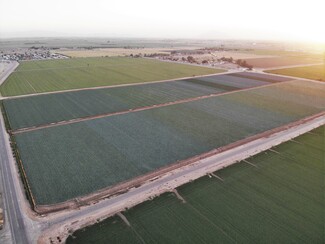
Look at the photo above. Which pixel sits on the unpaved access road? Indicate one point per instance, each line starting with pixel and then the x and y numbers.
pixel 9 68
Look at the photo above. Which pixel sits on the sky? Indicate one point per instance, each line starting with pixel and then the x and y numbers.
pixel 298 20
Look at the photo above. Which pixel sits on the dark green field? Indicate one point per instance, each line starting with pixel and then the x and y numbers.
pixel 55 75
pixel 45 109
pixel 71 160
pixel 279 201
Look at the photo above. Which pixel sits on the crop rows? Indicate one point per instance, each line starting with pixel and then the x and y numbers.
pixel 278 201
pixel 56 75
pixel 51 108
pixel 67 161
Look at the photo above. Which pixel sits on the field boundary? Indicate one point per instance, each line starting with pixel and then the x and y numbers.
pixel 98 116
pixel 136 182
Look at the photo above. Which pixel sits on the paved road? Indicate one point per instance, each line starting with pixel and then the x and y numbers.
pixel 11 203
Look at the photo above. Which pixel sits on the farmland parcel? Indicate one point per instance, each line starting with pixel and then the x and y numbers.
pixel 286 61
pixel 315 72
pixel 55 75
pixel 278 201
pixel 45 109
pixel 72 160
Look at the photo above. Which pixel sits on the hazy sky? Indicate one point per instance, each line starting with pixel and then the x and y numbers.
pixel 261 19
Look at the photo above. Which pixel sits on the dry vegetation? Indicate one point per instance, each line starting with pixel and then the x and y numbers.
pixel 110 52
pixel 286 61
pixel 315 72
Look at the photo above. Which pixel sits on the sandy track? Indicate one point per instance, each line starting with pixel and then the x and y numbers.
pixel 9 69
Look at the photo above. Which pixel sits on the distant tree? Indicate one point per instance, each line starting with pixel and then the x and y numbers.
pixel 190 59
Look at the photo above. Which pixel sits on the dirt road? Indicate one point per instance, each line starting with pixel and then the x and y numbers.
pixel 8 70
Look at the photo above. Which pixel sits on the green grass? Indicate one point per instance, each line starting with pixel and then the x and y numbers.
pixel 55 75
pixel 315 72
pixel 280 201
pixel 67 161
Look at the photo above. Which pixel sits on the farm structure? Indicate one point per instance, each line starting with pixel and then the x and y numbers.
pixel 275 196
pixel 68 161
pixel 55 75
pixel 40 110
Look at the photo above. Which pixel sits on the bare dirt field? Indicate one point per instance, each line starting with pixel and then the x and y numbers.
pixel 315 72
pixel 213 58
pixel 111 52
pixel 285 61
pixel 240 55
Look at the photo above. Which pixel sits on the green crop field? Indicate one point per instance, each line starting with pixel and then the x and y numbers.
pixel 55 75
pixel 50 108
pixel 279 201
pixel 70 160
pixel 315 72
